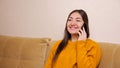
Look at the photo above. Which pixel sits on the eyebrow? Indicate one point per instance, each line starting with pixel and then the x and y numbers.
pixel 76 18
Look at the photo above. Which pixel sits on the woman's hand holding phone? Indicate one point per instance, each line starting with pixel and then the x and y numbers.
pixel 82 34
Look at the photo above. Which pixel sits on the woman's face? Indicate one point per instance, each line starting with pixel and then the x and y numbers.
pixel 74 23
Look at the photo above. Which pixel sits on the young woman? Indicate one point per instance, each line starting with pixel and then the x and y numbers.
pixel 76 50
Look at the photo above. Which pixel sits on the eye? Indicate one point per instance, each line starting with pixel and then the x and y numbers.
pixel 78 20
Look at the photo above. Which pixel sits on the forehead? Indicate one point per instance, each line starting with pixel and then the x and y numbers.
pixel 75 15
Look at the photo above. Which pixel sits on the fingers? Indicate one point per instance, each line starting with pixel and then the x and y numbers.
pixel 82 34
pixel 84 31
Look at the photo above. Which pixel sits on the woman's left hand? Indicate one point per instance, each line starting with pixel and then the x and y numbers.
pixel 82 35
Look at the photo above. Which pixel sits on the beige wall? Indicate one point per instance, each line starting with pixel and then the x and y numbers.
pixel 46 18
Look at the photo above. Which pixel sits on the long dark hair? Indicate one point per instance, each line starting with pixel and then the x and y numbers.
pixel 67 35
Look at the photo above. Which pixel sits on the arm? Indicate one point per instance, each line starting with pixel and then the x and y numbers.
pixel 88 54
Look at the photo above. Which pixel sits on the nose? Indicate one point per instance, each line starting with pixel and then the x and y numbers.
pixel 72 22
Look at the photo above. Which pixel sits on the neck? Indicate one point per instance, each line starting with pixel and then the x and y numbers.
pixel 74 37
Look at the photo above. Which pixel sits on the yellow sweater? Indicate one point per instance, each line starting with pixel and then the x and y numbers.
pixel 86 54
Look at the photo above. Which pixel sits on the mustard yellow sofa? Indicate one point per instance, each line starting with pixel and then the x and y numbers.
pixel 24 52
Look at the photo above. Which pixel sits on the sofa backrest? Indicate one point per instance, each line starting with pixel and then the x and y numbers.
pixel 19 52
pixel 110 55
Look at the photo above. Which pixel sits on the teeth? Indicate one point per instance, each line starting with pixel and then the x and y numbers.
pixel 72 28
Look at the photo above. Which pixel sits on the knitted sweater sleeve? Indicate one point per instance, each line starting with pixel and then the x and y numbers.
pixel 88 54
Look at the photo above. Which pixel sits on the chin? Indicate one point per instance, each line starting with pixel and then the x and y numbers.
pixel 72 32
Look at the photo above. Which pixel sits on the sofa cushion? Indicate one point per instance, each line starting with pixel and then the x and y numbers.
pixel 17 52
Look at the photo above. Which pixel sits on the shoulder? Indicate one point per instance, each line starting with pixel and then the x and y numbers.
pixel 56 44
pixel 93 44
pixel 53 46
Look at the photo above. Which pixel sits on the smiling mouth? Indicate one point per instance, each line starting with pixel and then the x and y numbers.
pixel 73 27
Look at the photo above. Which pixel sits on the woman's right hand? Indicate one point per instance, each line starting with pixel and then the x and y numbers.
pixel 82 34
